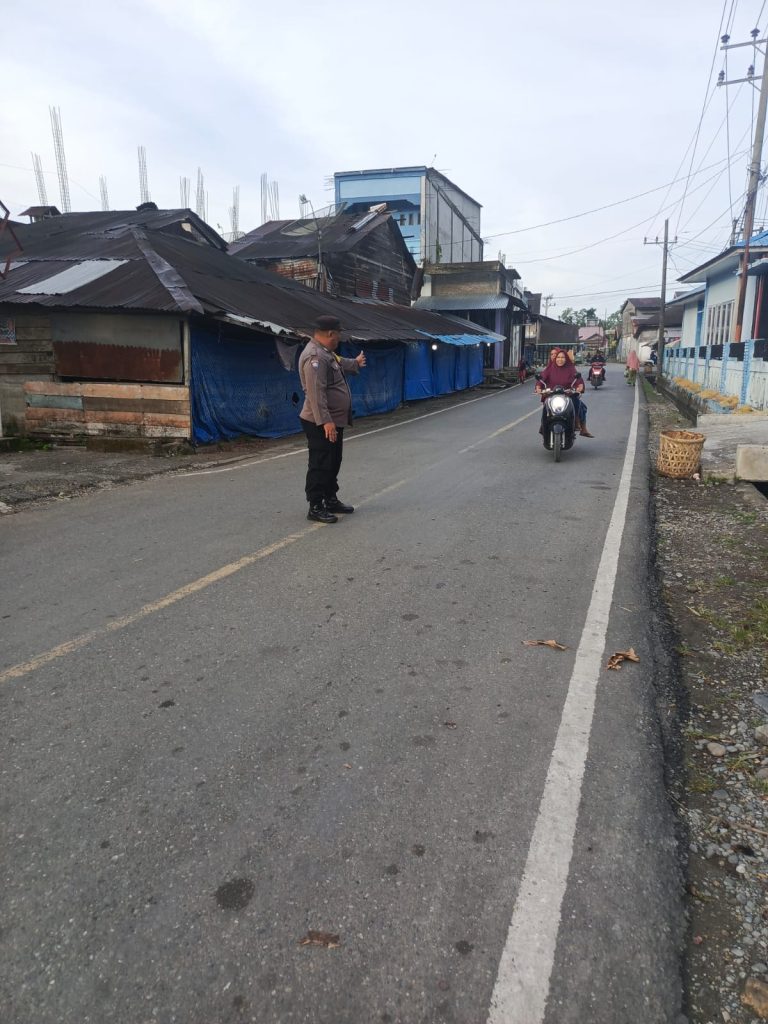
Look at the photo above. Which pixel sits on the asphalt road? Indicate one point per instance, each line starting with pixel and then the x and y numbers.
pixel 224 727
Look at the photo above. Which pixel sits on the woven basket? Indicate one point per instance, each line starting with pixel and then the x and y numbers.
pixel 679 453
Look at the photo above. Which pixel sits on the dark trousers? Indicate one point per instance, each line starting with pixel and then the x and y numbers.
pixel 324 462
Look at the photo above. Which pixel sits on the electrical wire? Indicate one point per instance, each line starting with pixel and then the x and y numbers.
pixel 727 139
pixel 705 104
pixel 729 23
pixel 730 195
pixel 608 238
pixel 599 209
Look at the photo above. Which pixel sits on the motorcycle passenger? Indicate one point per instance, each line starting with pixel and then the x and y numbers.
pixel 560 372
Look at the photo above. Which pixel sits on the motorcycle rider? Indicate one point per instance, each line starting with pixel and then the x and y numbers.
pixel 598 362
pixel 561 372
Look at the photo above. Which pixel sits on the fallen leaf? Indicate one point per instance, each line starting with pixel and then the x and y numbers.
pixel 346 766
pixel 694 610
pixel 449 725
pixel 545 643
pixel 616 659
pixel 325 939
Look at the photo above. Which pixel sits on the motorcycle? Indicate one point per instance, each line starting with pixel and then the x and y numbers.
pixel 558 419
pixel 596 375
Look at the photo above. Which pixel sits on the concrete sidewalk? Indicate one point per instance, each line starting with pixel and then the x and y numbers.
pixel 727 436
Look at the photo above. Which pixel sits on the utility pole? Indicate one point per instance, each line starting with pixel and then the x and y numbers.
pixel 547 301
pixel 663 306
pixel 754 168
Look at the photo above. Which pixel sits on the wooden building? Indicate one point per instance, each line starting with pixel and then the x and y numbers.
pixel 140 324
pixel 352 254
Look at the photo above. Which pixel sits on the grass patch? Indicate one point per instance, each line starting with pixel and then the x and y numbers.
pixel 748 518
pixel 702 784
pixel 724 581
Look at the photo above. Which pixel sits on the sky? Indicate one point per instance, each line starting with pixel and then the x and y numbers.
pixel 540 111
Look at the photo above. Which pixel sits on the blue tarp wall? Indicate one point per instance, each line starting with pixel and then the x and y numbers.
pixel 379 387
pixel 240 387
pixel 449 368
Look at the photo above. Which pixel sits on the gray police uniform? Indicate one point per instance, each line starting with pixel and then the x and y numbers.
pixel 327 400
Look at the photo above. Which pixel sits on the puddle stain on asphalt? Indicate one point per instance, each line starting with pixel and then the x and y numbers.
pixel 235 894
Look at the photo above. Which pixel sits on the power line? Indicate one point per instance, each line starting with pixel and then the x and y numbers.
pixel 705 104
pixel 606 206
pixel 608 238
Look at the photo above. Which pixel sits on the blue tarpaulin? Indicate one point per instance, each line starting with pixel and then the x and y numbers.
pixel 240 388
pixel 379 387
pixel 449 367
pixel 417 381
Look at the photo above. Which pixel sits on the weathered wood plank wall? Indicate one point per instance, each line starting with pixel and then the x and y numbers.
pixel 131 410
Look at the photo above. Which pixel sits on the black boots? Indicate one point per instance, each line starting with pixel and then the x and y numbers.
pixel 320 514
pixel 325 511
pixel 334 505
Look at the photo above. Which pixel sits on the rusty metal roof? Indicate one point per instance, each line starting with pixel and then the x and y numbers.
pixel 66 233
pixel 162 272
pixel 292 239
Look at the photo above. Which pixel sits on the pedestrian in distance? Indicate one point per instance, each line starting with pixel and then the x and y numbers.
pixel 327 410
pixel 633 365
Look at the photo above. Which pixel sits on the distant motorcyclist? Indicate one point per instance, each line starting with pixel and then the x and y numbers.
pixel 560 372
pixel 598 362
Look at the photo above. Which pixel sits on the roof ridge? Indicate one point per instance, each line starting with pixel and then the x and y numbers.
pixel 167 275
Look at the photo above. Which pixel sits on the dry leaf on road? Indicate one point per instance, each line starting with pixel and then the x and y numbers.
pixel 325 939
pixel 616 659
pixel 545 643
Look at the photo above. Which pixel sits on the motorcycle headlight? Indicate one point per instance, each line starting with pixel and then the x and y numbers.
pixel 558 404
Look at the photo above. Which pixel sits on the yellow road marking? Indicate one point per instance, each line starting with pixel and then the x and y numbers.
pixel 23 668
pixel 78 642
pixel 501 430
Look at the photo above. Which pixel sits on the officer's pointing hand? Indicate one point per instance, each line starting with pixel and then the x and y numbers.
pixel 360 359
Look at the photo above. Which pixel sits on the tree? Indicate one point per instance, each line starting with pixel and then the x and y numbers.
pixel 579 317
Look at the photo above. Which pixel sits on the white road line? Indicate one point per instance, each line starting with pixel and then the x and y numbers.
pixel 522 984
pixel 348 440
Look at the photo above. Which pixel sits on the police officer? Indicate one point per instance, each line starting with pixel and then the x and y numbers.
pixel 327 410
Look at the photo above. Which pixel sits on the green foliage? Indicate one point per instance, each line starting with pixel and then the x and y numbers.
pixel 581 317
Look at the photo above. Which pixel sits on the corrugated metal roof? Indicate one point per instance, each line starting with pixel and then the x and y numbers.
pixel 293 239
pixel 219 285
pixel 682 300
pixel 72 278
pixel 38 239
pixel 451 303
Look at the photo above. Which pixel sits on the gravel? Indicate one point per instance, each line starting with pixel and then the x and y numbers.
pixel 712 557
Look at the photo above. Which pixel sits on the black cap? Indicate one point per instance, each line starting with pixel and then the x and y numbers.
pixel 327 323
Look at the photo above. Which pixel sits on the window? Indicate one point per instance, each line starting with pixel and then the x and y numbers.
pixel 719 323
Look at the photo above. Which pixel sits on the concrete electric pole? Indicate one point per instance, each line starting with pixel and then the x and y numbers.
pixel 665 243
pixel 754 167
